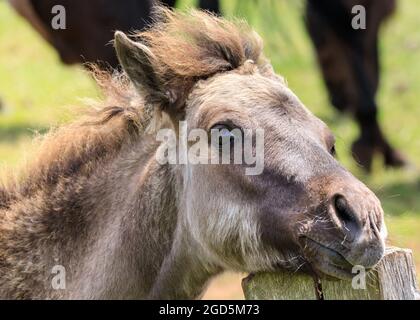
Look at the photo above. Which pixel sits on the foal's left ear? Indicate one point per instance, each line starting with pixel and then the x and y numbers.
pixel 137 61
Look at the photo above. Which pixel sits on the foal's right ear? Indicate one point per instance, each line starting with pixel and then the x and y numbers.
pixel 137 61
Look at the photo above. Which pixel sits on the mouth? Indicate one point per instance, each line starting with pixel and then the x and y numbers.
pixel 325 261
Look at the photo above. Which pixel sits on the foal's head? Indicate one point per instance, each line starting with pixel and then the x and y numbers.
pixel 303 208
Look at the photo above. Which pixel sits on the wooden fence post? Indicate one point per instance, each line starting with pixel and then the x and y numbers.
pixel 394 278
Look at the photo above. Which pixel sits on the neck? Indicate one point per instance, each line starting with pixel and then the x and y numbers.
pixel 119 237
pixel 183 274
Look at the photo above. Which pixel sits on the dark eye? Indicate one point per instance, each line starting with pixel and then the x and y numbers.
pixel 223 134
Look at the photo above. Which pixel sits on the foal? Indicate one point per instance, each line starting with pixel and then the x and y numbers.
pixel 96 215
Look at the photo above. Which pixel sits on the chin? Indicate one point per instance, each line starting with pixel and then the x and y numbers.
pixel 327 262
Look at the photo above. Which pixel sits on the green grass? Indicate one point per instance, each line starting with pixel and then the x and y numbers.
pixel 37 91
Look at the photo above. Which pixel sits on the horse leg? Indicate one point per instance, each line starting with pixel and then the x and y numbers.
pixel 336 67
pixel 349 62
pixel 367 74
pixel 366 67
pixel 326 24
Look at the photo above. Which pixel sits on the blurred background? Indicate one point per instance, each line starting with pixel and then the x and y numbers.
pixel 37 91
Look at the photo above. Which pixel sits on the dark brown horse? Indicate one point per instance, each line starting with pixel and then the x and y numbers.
pixel 348 58
pixel 98 210
pixel 89 28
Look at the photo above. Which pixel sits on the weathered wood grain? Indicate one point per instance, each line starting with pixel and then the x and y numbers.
pixel 394 278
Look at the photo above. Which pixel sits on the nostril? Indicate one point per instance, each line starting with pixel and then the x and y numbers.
pixel 344 212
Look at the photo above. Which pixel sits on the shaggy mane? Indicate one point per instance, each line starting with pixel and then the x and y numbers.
pixel 193 45
pixel 186 47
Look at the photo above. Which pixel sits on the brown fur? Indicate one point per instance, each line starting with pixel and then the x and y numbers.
pixel 188 47
pixel 96 201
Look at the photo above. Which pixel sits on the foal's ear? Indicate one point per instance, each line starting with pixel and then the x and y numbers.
pixel 137 61
pixel 266 69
